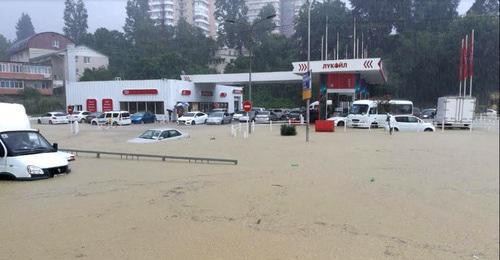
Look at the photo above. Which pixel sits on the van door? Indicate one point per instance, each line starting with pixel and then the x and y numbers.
pixel 3 158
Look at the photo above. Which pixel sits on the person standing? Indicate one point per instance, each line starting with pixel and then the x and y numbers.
pixel 388 119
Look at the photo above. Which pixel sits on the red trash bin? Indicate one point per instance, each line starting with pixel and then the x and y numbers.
pixel 324 126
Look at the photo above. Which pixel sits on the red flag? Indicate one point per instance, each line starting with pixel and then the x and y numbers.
pixel 461 67
pixel 471 53
pixel 466 63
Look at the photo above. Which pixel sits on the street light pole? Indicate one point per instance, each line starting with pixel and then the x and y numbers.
pixel 308 64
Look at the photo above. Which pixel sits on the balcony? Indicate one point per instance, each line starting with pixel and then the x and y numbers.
pixel 24 71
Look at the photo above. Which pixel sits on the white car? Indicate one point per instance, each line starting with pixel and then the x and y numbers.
pixel 78 116
pixel 193 118
pixel 237 115
pixel 338 120
pixel 113 118
pixel 53 118
pixel 156 135
pixel 491 112
pixel 409 124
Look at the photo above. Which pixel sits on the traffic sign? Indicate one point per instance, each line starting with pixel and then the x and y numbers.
pixel 247 106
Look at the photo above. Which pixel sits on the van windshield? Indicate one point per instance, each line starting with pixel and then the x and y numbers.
pixel 358 109
pixel 25 142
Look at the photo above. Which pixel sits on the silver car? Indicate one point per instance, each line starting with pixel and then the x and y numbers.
pixel 219 118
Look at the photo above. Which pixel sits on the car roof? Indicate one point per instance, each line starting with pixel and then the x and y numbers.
pixel 162 129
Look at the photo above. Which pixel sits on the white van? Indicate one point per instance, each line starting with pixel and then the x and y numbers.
pixel 24 153
pixel 373 113
pixel 113 118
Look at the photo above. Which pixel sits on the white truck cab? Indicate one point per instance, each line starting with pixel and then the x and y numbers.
pixel 373 113
pixel 24 153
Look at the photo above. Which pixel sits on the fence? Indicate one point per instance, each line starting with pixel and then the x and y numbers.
pixel 162 157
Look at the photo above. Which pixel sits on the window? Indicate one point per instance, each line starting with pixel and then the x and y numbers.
pixel 412 119
pixel 402 119
pixel 2 151
pixel 86 60
pixel 55 44
pixel 76 58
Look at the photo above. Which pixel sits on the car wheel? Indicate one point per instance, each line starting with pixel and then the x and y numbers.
pixel 396 129
pixel 428 130
pixel 93 123
pixel 115 123
pixel 374 125
pixel 50 122
pixel 340 123
pixel 81 121
pixel 39 121
pixel 142 122
pixel 193 123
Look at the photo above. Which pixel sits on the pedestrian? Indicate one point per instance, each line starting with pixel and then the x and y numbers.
pixel 389 123
pixel 169 111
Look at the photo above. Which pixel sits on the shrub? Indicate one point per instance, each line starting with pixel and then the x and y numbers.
pixel 287 130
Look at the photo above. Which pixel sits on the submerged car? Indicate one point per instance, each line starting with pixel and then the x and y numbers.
pixel 193 118
pixel 143 117
pixel 218 118
pixel 409 124
pixel 237 115
pixel 156 135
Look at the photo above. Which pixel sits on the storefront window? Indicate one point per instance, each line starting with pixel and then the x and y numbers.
pixel 150 106
pixel 160 109
pixel 141 106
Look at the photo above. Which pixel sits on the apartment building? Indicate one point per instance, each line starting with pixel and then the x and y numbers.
pixel 15 76
pixel 286 13
pixel 199 13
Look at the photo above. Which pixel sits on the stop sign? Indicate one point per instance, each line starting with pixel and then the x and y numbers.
pixel 247 106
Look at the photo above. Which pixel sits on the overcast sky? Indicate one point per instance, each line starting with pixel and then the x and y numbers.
pixel 47 15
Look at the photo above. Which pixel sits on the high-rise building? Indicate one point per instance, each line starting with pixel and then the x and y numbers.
pixel 286 13
pixel 199 13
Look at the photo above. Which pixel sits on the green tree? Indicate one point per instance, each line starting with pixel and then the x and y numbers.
pixel 262 26
pixel 138 24
pixel 75 19
pixel 24 27
pixel 97 74
pixel 4 46
pixel 232 19
pixel 482 7
pixel 339 21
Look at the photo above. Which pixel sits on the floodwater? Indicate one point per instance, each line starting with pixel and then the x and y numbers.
pixel 344 195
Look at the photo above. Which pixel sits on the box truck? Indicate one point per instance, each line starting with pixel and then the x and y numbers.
pixel 24 153
pixel 454 111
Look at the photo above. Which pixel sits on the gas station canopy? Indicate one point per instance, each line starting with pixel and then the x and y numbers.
pixel 369 70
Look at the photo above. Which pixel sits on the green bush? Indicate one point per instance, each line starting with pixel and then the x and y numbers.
pixel 287 130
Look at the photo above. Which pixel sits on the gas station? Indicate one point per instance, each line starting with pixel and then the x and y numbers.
pixel 341 81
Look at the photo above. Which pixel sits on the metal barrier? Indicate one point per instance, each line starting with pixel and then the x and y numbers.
pixel 162 157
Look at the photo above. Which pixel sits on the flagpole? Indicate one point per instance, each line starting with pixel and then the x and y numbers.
pixel 465 65
pixel 338 47
pixel 470 61
pixel 460 68
pixel 326 39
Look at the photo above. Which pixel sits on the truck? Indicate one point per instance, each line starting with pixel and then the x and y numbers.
pixel 24 153
pixel 455 111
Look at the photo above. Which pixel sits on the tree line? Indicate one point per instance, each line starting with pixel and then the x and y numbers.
pixel 419 42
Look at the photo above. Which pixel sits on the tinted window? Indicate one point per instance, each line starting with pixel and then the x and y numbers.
pixel 115 114
pixel 125 115
pixel 59 114
pixel 2 151
pixel 199 114
pixel 86 113
pixel 359 109
pixel 402 119
pixel 108 115
pixel 173 133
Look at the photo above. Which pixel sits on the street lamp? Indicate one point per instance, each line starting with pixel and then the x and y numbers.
pixel 251 50
pixel 309 2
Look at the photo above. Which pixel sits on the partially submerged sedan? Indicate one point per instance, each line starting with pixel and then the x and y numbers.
pixel 218 118
pixel 156 135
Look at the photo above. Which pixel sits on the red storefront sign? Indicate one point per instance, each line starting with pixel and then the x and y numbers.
pixel 223 94
pixel 140 91
pixel 92 105
pixel 70 109
pixel 237 91
pixel 186 92
pixel 207 93
pixel 107 104
pixel 341 80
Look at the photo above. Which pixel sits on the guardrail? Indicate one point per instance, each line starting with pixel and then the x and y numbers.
pixel 162 157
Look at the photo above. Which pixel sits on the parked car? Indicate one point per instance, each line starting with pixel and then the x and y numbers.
pixel 338 120
pixel 490 112
pixel 193 118
pixel 219 118
pixel 295 115
pixel 113 118
pixel 280 113
pixel 263 117
pixel 143 117
pixel 78 116
pixel 428 113
pixel 53 118
pixel 218 110
pixel 88 119
pixel 238 114
pixel 246 117
pixel 156 135
pixel 409 124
